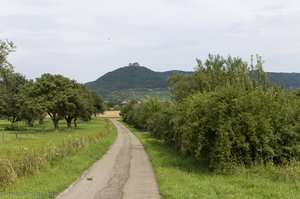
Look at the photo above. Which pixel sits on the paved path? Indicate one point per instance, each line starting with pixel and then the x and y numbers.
pixel 124 172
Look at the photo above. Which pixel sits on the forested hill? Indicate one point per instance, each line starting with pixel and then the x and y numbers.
pixel 135 79
pixel 129 77
pixel 289 80
pixel 132 78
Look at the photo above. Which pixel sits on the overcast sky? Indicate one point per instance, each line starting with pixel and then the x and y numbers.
pixel 85 39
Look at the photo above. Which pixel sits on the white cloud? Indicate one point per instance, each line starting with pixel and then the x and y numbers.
pixel 84 39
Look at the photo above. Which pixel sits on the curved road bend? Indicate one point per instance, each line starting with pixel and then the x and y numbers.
pixel 124 172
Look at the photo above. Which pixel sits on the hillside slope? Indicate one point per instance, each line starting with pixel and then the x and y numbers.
pixel 128 77
pixel 140 82
pixel 130 82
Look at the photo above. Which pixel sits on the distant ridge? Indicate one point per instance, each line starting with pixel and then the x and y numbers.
pixel 135 81
pixel 288 80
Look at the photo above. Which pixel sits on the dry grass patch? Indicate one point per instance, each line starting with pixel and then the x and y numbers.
pixel 110 114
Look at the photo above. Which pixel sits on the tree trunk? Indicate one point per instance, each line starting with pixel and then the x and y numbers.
pixel 75 122
pixel 69 121
pixel 29 123
pixel 13 119
pixel 69 124
pixel 55 123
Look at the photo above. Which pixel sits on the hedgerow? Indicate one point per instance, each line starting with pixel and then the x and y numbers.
pixel 228 115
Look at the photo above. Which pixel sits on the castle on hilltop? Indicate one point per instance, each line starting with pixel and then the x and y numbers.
pixel 134 64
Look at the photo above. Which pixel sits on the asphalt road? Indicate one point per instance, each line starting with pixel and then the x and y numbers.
pixel 124 172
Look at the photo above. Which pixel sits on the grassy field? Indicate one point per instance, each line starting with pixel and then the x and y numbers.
pixel 41 136
pixel 89 141
pixel 179 177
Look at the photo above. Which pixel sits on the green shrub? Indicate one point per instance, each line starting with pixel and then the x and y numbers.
pixel 227 128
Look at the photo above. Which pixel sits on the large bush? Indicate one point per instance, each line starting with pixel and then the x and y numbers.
pixel 226 114
pixel 226 128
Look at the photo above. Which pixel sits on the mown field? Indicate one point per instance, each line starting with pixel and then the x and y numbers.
pixel 180 177
pixel 41 162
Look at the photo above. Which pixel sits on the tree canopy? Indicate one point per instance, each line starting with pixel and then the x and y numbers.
pixel 53 95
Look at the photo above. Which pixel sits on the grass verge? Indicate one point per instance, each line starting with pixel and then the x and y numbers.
pixel 57 177
pixel 179 177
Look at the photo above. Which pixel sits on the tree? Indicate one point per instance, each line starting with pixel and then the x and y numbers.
pixel 82 105
pixel 66 99
pixel 31 105
pixel 54 91
pixel 10 82
pixel 6 48
pixel 58 96
pixel 181 85
pixel 127 112
pixel 98 104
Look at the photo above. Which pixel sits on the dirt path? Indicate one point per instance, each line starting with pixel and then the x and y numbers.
pixel 124 172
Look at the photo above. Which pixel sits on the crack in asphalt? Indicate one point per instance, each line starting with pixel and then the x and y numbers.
pixel 121 170
pixel 128 168
pixel 126 180
pixel 125 172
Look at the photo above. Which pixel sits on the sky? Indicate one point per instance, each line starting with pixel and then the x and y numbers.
pixel 85 39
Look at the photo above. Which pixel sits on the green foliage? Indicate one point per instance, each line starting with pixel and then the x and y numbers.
pixel 59 97
pixel 181 177
pixel 9 90
pixel 127 112
pixel 181 86
pixel 227 127
pixel 6 48
pixel 97 103
pixel 140 114
pixel 225 115
pixel 31 106
pixel 57 94
pixel 159 123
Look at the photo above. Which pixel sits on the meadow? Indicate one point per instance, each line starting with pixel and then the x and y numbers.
pixel 32 159
pixel 41 135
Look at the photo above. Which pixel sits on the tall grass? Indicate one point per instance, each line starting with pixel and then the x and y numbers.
pixel 30 161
